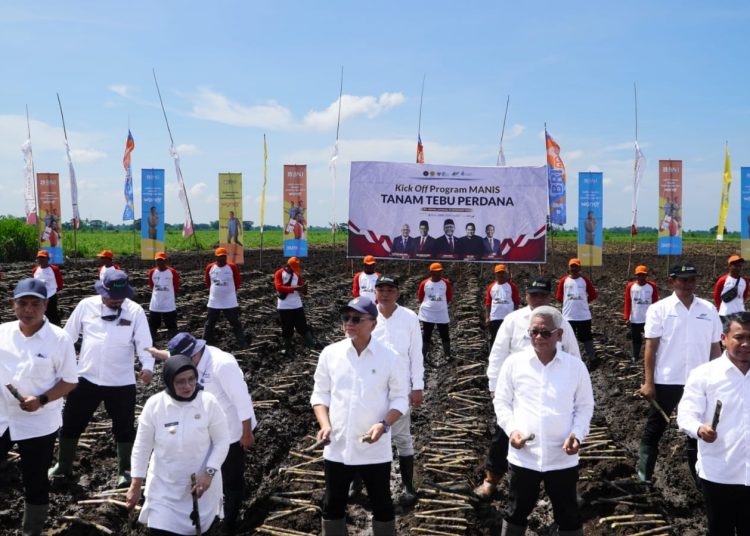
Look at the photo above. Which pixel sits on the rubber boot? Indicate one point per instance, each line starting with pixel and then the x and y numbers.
pixel 309 340
pixel 240 336
pixel 66 453
pixel 594 361
pixel 409 494
pixel 384 528
pixel 123 464
pixel 509 529
pixel 487 488
pixel 34 518
pixel 355 488
pixel 333 527
pixel 447 348
pixel 577 532
pixel 646 462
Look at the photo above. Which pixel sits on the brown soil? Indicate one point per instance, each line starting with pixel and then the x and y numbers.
pixel 451 430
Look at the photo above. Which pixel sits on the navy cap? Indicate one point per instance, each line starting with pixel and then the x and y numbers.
pixel 184 343
pixel 114 286
pixel 362 305
pixel 30 287
pixel 683 270
pixel 540 285
pixel 386 280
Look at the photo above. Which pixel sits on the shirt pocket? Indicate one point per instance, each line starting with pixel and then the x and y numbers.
pixel 41 368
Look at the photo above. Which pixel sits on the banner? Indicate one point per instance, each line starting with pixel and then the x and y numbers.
pixel 152 212
pixel 638 169
pixel 50 230
pixel 76 220
pixel 745 208
pixel 590 214
pixel 128 213
pixel 418 211
pixel 724 206
pixel 29 195
pixel 556 178
pixel 295 211
pixel 670 207
pixel 187 227
pixel 230 216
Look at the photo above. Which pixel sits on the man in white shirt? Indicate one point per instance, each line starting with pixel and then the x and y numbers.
pixel 39 361
pixel 106 263
pixel 398 327
pixel 682 332
pixel 731 289
pixel 575 291
pixel 545 401
pixel 223 281
pixel 360 391
pixel 165 284
pixel 52 278
pixel 435 295
pixel 639 295
pixel 363 283
pixel 513 336
pixel 723 456
pixel 113 328
pixel 500 300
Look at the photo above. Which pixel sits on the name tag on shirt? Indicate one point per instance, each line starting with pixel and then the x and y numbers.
pixel 124 322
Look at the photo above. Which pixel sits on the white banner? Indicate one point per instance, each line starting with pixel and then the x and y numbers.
pixel 187 228
pixel 73 188
pixel 29 196
pixel 448 213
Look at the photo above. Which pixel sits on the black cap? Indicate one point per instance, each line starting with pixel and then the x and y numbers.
pixel 683 270
pixel 386 280
pixel 362 305
pixel 540 285
pixel 30 287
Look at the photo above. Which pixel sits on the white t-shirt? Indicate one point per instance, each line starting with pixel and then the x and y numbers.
pixel 364 284
pixel 163 293
pixel 223 293
pixel 48 276
pixel 293 300
pixel 575 299
pixel 737 305
pixel 641 298
pixel 501 297
pixel 434 306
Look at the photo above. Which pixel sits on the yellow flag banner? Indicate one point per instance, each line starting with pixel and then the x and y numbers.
pixel 724 208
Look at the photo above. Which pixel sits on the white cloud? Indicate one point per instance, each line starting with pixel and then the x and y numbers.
pixel 213 106
pixel 352 105
pixel 197 189
pixel 187 149
pixel 515 131
pixel 122 90
pixel 569 156
pixel 86 155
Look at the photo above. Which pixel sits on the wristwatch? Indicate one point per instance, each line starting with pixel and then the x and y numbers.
pixel 43 399
pixel 386 426
pixel 210 471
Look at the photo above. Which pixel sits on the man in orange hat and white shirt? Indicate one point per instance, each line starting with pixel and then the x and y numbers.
pixel 435 295
pixel 223 281
pixel 290 288
pixel 500 299
pixel 105 263
pixel 165 284
pixel 364 281
pixel 576 292
pixel 730 290
pixel 52 277
pixel 639 294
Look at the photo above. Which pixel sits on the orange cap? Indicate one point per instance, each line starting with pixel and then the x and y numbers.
pixel 369 259
pixel 220 252
pixel 105 253
pixel 641 269
pixel 500 268
pixel 573 262
pixel 436 267
pixel 160 255
pixel 294 263
pixel 42 253
pixel 735 258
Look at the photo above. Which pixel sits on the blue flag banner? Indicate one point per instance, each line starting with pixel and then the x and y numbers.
pixel 590 215
pixel 128 213
pixel 745 208
pixel 152 215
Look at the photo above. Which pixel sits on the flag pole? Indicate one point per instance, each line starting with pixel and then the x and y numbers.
pixel 333 162
pixel 635 171
pixel 75 224
pixel 171 139
pixel 500 155
pixel 33 173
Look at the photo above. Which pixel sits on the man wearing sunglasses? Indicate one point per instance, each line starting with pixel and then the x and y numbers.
pixel 113 328
pixel 360 391
pixel 545 401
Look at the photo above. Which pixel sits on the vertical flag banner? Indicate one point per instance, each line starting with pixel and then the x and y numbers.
pixel 726 185
pixel 590 215
pixel 28 191
pixel 230 216
pixel 295 211
pixel 670 207
pixel 745 212
pixel 420 150
pixel 152 212
pixel 50 230
pixel 556 179
pixel 128 213
pixel 638 169
pixel 187 228
pixel 73 188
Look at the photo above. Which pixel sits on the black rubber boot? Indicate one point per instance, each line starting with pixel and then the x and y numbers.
pixel 408 494
pixel 384 528
pixel 447 348
pixel 309 339
pixel 34 518
pixel 333 527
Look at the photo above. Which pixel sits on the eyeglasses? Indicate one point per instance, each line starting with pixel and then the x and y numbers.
pixel 110 318
pixel 186 382
pixel 543 333
pixel 354 319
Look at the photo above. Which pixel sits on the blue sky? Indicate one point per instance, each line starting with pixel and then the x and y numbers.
pixel 232 71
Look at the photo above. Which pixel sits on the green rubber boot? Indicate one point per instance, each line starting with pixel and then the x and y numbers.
pixel 646 462
pixel 123 464
pixel 66 453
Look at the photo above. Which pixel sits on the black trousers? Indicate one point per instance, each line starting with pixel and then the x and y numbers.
pixel 292 319
pixel 377 480
pixel 636 337
pixel 36 458
pixel 156 318
pixel 582 329
pixel 497 455
pixel 83 401
pixel 726 508
pixel 427 329
pixel 494 327
pixel 52 314
pixel 233 317
pixel 560 485
pixel 233 477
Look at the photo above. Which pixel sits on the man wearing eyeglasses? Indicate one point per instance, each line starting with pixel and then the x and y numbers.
pixel 360 392
pixel 545 401
pixel 113 328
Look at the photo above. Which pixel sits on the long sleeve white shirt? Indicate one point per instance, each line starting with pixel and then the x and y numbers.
pixel 359 390
pixel 726 460
pixel 176 439
pixel 548 401
pixel 513 336
pixel 221 375
pixel 401 332
pixel 33 365
pixel 107 356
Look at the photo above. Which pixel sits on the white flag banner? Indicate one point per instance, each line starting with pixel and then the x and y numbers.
pixel 638 169
pixel 332 169
pixel 29 197
pixel 448 213
pixel 187 229
pixel 73 188
pixel 501 157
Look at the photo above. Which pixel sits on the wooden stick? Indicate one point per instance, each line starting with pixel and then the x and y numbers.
pixel 636 523
pixel 97 526
pixel 658 530
pixel 626 517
